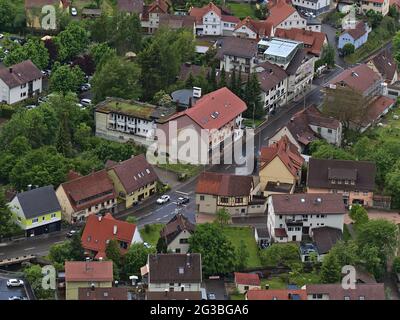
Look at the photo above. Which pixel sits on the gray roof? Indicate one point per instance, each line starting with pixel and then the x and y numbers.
pixel 183 96
pixel 325 238
pixel 237 47
pixel 38 202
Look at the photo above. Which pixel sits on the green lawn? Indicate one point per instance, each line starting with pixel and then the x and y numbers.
pixel 153 235
pixel 236 297
pixel 235 234
pixel 189 170
pixel 278 282
pixel 346 233
pixel 242 10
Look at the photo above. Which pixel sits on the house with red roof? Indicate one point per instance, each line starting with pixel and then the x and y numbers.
pixel 280 167
pixel 283 15
pixel 247 281
pixel 99 231
pixel 356 36
pixel 134 179
pixel 315 7
pixel 82 196
pixel 150 19
pixel 253 29
pixel 211 20
pixel 212 119
pixel 87 274
pixel 277 294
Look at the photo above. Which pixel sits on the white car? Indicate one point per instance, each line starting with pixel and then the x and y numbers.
pixel 148 246
pixel 17 298
pixel 163 199
pixel 74 12
pixel 1 36
pixel 86 102
pixel 30 107
pixel 15 283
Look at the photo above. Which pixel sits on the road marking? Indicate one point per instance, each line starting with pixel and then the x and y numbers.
pixel 181 192
pixel 158 219
pixel 59 242
pixel 29 248
pixel 228 167
pixel 166 216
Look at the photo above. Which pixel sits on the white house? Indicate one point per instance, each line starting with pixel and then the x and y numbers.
pixel 285 16
pixel 315 6
pixel 19 82
pixel 292 216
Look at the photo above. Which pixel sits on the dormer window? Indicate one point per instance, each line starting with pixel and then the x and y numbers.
pixel 333 181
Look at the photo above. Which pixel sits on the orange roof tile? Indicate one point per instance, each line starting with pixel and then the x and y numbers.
pixel 251 279
pixel 279 294
pixel 84 271
pixel 314 41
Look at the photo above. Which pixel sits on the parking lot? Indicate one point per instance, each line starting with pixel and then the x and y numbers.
pixel 5 292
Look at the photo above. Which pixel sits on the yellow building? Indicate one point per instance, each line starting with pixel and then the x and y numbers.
pixel 87 274
pixel 280 167
pixel 134 179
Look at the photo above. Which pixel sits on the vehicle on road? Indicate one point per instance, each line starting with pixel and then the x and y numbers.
pixel 86 87
pixel 211 296
pixel 182 200
pixel 163 199
pixel 86 102
pixel 14 283
pixel 147 245
pixel 17 298
pixel 74 12
pixel 71 233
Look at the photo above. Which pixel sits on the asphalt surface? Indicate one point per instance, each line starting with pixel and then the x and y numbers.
pixel 6 292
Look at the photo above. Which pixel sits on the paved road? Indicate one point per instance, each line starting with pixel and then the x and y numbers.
pixel 6 292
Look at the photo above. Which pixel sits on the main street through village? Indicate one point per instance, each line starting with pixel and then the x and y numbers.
pixel 149 212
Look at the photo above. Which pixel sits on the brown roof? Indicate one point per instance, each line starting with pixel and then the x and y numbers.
pixel 103 293
pixel 279 12
pixel 237 47
pixel 99 230
pixel 176 22
pixel 135 6
pixel 175 226
pixel 157 6
pixel 370 291
pixel 223 184
pixel 325 238
pixel 215 109
pixel 385 64
pixel 308 203
pixel 195 70
pixel 251 279
pixel 359 78
pixel 85 271
pixel 277 294
pixel 262 28
pixel 280 232
pixel 198 13
pixel 20 73
pixel 271 76
pixel 89 190
pixel 287 153
pixel 358 31
pixel 318 173
pixel 313 40
pixel 376 109
pixel 134 173
pixel 173 295
pixel 174 267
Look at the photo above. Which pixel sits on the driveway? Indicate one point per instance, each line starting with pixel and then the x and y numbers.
pixel 331 35
pixel 217 287
pixel 6 292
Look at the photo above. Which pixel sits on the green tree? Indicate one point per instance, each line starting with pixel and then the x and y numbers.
pixel 330 269
pixel 101 52
pixel 66 79
pixel 34 275
pixel 222 78
pixel 113 252
pixel 348 49
pixel 396 264
pixel 218 255
pixel 132 219
pixel 63 140
pixel 392 184
pixel 116 78
pixel 7 14
pixel 135 258
pixel 77 252
pixel 358 214
pixel 72 41
pixel 33 50
pixel 7 225
pixel 320 149
pixel 252 97
pixel 346 253
pixel 161 245
pixel 328 55
pixel 280 254
pixel 242 255
pixel 222 216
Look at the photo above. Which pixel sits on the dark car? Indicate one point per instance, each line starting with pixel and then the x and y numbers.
pixel 71 233
pixel 182 200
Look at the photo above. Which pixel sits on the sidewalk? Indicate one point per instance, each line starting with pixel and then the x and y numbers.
pixel 167 177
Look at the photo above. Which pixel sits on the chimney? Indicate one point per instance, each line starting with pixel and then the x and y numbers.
pixel 100 217
pixel 100 259
pixel 115 229
pixel 188 260
pixel 266 286
pixel 196 92
pixel 10 69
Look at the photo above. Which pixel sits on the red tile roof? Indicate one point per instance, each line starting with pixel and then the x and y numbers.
pixel 262 28
pixel 85 271
pixel 287 153
pixel 280 232
pixel 157 6
pixel 134 173
pixel 370 291
pixel 97 184
pixel 198 13
pixel 113 293
pixel 313 40
pixel 221 184
pixel 99 230
pixel 358 31
pixel 279 294
pixel 359 78
pixel 229 18
pixel 20 73
pixel 279 12
pixel 251 279
pixel 215 109
pixel 377 108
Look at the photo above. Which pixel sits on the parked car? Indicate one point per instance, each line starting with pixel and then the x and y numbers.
pixel 74 12
pixel 30 106
pixel 211 296
pixel 163 199
pixel 1 36
pixel 86 87
pixel 71 233
pixel 182 200
pixel 86 102
pixel 17 298
pixel 147 245
pixel 14 283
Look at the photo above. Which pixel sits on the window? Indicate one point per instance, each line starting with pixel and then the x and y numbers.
pixel 329 131
pixel 35 220
pixel 246 288
pixel 238 200
pixel 53 215
pixel 346 298
pixel 183 241
pixel 280 216
pixel 362 298
pixel 224 199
